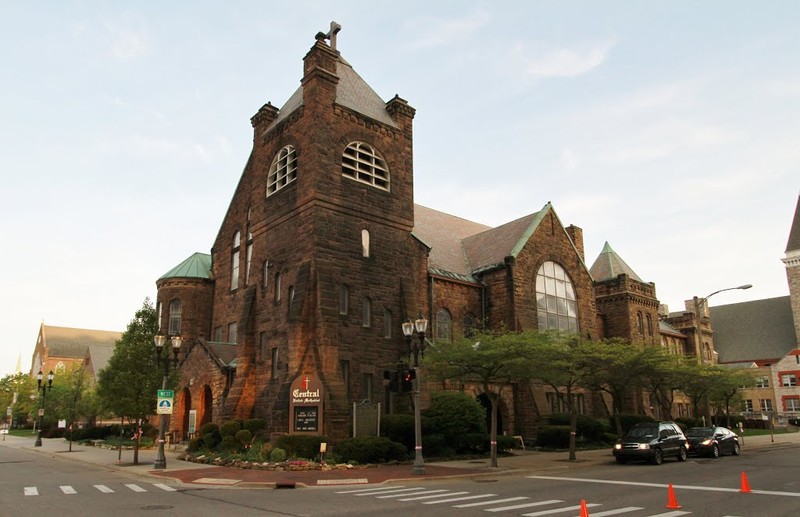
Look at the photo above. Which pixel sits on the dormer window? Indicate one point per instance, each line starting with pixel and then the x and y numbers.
pixel 363 163
pixel 283 170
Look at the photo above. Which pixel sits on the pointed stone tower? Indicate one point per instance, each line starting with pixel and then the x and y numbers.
pixel 792 262
pixel 627 305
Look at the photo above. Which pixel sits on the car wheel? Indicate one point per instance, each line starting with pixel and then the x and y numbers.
pixel 715 451
pixel 682 453
pixel 622 461
pixel 735 450
pixel 658 457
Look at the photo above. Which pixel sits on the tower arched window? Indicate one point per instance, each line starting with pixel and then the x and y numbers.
pixel 365 243
pixel 283 170
pixel 556 304
pixel 363 163
pixel 444 325
pixel 174 317
pixel 237 242
pixel 640 323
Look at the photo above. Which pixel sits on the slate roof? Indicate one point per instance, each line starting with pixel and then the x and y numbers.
pixel 490 248
pixel 224 353
pixel 100 355
pixel 72 342
pixel 352 92
pixel 753 331
pixel 444 234
pixel 794 234
pixel 666 328
pixel 196 266
pixel 609 265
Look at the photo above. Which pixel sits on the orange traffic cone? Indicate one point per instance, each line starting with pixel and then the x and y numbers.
pixel 745 484
pixel 584 510
pixel 672 502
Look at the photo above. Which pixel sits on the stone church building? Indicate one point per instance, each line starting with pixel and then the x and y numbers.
pixel 323 254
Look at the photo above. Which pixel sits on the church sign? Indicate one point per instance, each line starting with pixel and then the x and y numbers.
pixel 305 405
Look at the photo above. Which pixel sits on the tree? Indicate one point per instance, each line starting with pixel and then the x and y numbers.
pixel 664 378
pixel 491 361
pixel 15 390
pixel 128 385
pixel 727 389
pixel 71 398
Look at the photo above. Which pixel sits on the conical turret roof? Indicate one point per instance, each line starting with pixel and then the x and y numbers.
pixel 794 234
pixel 609 265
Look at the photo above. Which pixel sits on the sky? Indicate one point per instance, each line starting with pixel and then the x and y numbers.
pixel 668 129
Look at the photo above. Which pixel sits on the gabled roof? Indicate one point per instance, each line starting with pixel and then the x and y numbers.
pixel 72 342
pixel 444 234
pixel 753 331
pixel 224 354
pixel 352 92
pixel 100 355
pixel 490 248
pixel 666 328
pixel 794 234
pixel 609 265
pixel 196 266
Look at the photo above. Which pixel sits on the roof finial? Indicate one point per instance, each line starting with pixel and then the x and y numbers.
pixel 335 28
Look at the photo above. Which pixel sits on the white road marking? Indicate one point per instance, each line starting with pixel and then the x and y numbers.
pixel 135 488
pixel 418 498
pixel 467 498
pixel 373 489
pixel 661 485
pixel 526 505
pixel 676 513
pixel 421 492
pixel 395 491
pixel 164 487
pixel 31 490
pixel 68 489
pixel 559 510
pixel 617 511
pixel 484 503
pixel 104 489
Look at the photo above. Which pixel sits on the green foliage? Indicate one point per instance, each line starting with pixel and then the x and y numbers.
pixel 453 413
pixel 211 439
pixel 244 437
pixel 277 455
pixel 301 445
pixel 589 429
pixel 207 428
pixel 229 443
pixel 255 425
pixel 436 446
pixel 195 444
pixel 128 385
pixel 230 428
pixel 553 436
pixel 370 449
pixel 506 443
pixel 629 420
pixel 399 428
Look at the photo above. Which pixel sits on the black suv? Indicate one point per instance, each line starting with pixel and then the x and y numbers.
pixel 652 441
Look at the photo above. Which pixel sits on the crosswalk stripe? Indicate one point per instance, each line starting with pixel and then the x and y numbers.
pixel 558 510
pixel 135 488
pixel 526 505
pixel 617 511
pixel 372 489
pixel 467 498
pixel 68 489
pixel 104 489
pixel 31 490
pixel 676 513
pixel 421 491
pixel 164 487
pixel 397 491
pixel 484 503
pixel 419 498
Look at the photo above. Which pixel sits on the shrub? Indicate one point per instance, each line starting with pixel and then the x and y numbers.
pixel 453 413
pixel 301 445
pixel 470 442
pixel 229 443
pixel 208 428
pixel 277 454
pixel 211 439
pixel 399 428
pixel 589 429
pixel 244 437
pixel 230 428
pixel 254 425
pixel 553 436
pixel 370 449
pixel 436 445
pixel 506 443
pixel 628 421
pixel 195 444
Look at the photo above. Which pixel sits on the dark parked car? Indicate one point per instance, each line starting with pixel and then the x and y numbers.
pixel 712 441
pixel 652 441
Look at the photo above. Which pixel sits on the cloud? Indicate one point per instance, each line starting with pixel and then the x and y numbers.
pixel 562 62
pixel 428 32
pixel 126 43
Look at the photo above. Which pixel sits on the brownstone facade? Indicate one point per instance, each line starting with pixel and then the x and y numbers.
pixel 315 267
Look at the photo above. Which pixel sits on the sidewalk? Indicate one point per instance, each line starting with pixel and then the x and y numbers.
pixel 188 473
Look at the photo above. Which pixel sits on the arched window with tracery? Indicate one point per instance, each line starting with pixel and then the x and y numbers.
pixel 556 303
pixel 444 325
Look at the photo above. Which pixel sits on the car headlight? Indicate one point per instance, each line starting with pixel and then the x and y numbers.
pixel 644 446
pixel 706 442
pixel 618 446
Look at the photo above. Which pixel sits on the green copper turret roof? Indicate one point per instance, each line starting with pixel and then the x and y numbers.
pixel 196 266
pixel 794 234
pixel 609 265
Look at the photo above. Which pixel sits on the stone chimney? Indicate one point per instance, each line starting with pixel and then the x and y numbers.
pixel 576 234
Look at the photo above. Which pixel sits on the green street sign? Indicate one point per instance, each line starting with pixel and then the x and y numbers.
pixel 166 394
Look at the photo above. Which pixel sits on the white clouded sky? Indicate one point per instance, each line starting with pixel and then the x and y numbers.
pixel 668 128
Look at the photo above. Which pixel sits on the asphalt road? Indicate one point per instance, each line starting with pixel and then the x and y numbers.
pixel 35 485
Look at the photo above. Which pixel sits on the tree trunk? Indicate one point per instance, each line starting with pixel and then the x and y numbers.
pixel 573 427
pixel 137 423
pixel 493 431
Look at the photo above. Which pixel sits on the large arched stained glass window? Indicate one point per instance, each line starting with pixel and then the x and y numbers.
pixel 555 299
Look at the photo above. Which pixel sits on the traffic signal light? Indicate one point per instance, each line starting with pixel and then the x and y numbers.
pixel 407 380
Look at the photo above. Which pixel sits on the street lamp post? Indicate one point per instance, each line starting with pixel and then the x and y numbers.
pixel 42 387
pixel 417 348
pixel 699 311
pixel 160 340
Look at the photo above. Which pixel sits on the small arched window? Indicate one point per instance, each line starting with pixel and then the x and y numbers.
pixel 363 163
pixel 640 323
pixel 344 299
pixel 387 323
pixel 366 312
pixel 365 243
pixel 469 325
pixel 277 287
pixel 649 325
pixel 290 297
pixel 443 325
pixel 237 242
pixel 283 170
pixel 174 317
